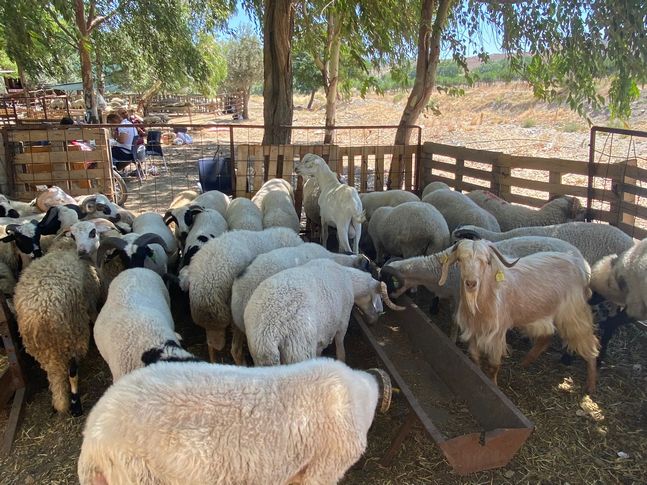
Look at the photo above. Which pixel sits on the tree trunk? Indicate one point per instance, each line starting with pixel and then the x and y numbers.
pixel 101 78
pixel 89 97
pixel 23 79
pixel 428 57
pixel 278 23
pixel 331 76
pixel 312 99
pixel 246 94
pixel 142 103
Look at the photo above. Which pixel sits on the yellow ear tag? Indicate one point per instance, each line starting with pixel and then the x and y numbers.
pixel 499 276
pixel 444 259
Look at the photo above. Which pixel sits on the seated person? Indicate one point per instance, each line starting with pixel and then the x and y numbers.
pixel 122 146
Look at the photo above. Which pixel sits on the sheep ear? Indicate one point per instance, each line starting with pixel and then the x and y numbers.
pixel 447 258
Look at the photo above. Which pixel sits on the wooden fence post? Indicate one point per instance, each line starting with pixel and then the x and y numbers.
pixel 458 184
pixel 626 197
pixel 554 178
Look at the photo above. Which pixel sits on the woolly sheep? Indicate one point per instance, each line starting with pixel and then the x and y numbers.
pixel 391 198
pixel 458 209
pixel 207 224
pixel 153 223
pixel 213 270
pixel 510 216
pixel 622 279
pixel 268 264
pixel 136 322
pixel 304 423
pixel 430 187
pixel 243 214
pixel 538 294
pixel 56 300
pixel 339 205
pixel 296 313
pixel 311 193
pixel 410 229
pixel 275 199
pixel 16 208
pixel 593 240
pixel 180 214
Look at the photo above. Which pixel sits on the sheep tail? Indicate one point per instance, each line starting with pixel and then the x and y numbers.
pixel 574 322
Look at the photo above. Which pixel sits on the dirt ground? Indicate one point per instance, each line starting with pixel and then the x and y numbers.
pixel 577 439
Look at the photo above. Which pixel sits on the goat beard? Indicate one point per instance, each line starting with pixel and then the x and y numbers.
pixel 471 301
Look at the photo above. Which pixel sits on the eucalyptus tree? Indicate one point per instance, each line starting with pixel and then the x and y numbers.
pixel 244 65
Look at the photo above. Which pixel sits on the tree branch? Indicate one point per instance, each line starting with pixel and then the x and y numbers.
pixel 436 33
pixel 52 13
pixel 102 18
pixel 91 13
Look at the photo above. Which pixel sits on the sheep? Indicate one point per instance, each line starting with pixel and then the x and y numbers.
pixel 153 223
pixel 510 216
pixel 537 293
pixel 458 209
pixel 204 423
pixel 184 198
pixel 213 270
pixel 594 241
pixel 182 216
pixel 207 224
pixel 622 279
pixel 135 326
pixel 242 214
pixel 296 313
pixel 403 275
pixel 430 187
pixel 134 250
pixel 56 299
pixel 391 198
pixel 57 103
pixel 16 208
pixel 275 199
pixel 410 229
pixel 339 205
pixel 268 264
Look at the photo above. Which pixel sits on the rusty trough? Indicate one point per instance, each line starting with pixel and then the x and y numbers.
pixel 437 379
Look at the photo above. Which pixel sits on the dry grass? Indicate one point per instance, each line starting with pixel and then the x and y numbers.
pixel 577 439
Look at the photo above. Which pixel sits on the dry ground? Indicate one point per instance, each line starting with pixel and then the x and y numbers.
pixel 576 440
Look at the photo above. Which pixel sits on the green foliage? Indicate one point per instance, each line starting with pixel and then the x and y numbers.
pixel 570 127
pixel 529 123
pixel 244 61
pixel 305 75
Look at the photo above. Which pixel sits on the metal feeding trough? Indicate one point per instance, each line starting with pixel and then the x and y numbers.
pixel 475 425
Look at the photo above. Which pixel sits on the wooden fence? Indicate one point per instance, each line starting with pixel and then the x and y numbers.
pixel 614 189
pixel 44 157
pixel 365 167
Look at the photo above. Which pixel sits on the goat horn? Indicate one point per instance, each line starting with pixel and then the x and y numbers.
pixel 385 388
pixel 501 257
pixel 385 297
pixel 85 205
pixel 467 234
pixel 169 217
pixel 110 243
pixel 150 238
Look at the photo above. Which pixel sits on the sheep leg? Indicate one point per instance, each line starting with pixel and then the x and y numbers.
pixel 75 399
pixel 473 350
pixel 58 385
pixel 215 341
pixel 324 233
pixel 358 234
pixel 237 342
pixel 591 374
pixel 340 352
pixel 541 344
pixel 342 237
pixel 453 336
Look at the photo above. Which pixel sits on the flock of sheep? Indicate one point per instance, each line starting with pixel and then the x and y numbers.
pixel 88 266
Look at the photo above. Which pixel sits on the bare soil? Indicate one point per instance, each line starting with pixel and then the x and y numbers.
pixel 578 439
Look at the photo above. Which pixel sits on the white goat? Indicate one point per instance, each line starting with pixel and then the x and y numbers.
pixel 537 293
pixel 339 205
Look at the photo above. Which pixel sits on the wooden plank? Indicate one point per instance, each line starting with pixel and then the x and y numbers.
pixel 15 416
pixel 241 170
pixel 407 160
pixel 451 151
pixel 55 175
pixel 363 171
pixel 288 163
pixel 57 134
pixel 351 168
pixel 635 172
pixel 525 200
pixel 61 157
pixel 379 168
pixel 634 231
pixel 550 164
pixel 633 189
pixel 633 210
pixel 273 163
pixel 555 178
pixel 555 189
pixel 459 170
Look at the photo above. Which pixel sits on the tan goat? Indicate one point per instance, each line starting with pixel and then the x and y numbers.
pixel 538 294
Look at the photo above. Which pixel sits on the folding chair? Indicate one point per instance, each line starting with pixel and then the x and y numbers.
pixel 154 146
pixel 137 156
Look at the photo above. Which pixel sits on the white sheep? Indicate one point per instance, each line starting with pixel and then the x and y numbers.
pixel 16 208
pixel 56 300
pixel 153 223
pixel 391 198
pixel 242 214
pixel 510 216
pixel 430 187
pixel 182 216
pixel 275 199
pixel 204 423
pixel 311 193
pixel 593 240
pixel 339 204
pixel 296 313
pixel 269 264
pixel 135 326
pixel 134 250
pixel 458 209
pixel 622 279
pixel 538 294
pixel 207 224
pixel 213 270
pixel 410 229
